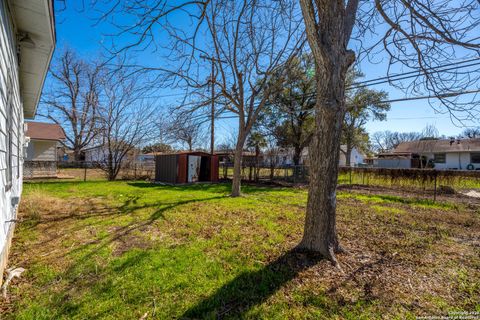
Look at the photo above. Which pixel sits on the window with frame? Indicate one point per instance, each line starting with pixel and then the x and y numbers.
pixel 475 157
pixel 439 158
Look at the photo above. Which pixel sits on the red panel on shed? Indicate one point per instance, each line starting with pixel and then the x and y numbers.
pixel 182 168
pixel 214 168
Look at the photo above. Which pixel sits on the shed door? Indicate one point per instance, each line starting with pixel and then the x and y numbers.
pixel 193 168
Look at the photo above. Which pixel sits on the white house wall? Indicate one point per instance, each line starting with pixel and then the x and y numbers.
pixel 355 158
pixel 42 150
pixel 9 197
pixel 453 160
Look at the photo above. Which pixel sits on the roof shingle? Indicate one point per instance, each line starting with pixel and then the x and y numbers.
pixel 444 145
pixel 44 131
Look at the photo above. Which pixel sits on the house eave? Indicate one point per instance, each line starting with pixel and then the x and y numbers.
pixel 35 18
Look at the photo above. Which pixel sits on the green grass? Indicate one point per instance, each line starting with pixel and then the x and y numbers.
pixel 458 183
pixel 120 250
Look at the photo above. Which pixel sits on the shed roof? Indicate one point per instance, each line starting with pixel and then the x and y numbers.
pixel 45 131
pixel 193 153
pixel 443 145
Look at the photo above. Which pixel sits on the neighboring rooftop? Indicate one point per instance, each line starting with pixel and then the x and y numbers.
pixel 444 145
pixel 44 131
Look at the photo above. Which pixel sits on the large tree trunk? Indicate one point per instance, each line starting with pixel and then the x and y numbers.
pixel 320 227
pixel 237 165
pixel 77 154
pixel 328 33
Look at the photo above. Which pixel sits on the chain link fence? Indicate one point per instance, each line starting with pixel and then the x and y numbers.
pixel 426 182
pixel 87 171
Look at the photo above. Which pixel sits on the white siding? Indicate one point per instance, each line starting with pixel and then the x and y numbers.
pixel 453 160
pixel 9 196
pixel 41 150
pixel 356 158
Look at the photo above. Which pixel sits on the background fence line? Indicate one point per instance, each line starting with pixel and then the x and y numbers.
pixel 429 182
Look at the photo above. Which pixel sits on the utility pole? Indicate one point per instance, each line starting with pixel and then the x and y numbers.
pixel 212 115
pixel 212 131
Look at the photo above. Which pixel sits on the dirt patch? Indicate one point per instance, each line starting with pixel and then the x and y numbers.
pixel 128 242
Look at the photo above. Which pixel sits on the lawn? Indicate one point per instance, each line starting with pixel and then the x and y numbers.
pixel 131 250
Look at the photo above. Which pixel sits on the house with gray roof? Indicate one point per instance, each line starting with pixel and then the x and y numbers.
pixel 453 154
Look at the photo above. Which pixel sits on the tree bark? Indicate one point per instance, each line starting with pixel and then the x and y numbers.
pixel 237 165
pixel 328 33
pixel 320 224
pixel 77 154
pixel 297 155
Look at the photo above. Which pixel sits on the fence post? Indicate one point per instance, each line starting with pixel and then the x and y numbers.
pixel 135 171
pixel 435 186
pixel 84 171
pixel 350 176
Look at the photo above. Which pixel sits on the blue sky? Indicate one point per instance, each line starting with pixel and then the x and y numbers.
pixel 76 30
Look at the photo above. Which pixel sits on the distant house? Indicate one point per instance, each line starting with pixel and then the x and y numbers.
pixel 99 155
pixel 396 160
pixel 27 39
pixel 225 157
pixel 357 157
pixel 284 157
pixel 456 154
pixel 41 158
pixel 146 158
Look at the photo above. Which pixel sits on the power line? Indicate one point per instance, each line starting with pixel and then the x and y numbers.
pixel 415 73
pixel 365 83
pixel 446 95
pixel 440 96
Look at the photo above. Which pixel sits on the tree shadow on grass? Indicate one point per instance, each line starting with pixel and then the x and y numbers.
pixel 125 230
pixel 252 288
pixel 220 187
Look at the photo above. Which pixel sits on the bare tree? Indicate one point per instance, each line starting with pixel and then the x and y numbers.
pixel 126 122
pixel 272 154
pixel 471 133
pixel 251 38
pixel 420 35
pixel 186 130
pixel 71 99
pixel 387 141
pixel 245 41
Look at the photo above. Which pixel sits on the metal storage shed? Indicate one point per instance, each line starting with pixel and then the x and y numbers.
pixel 186 167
